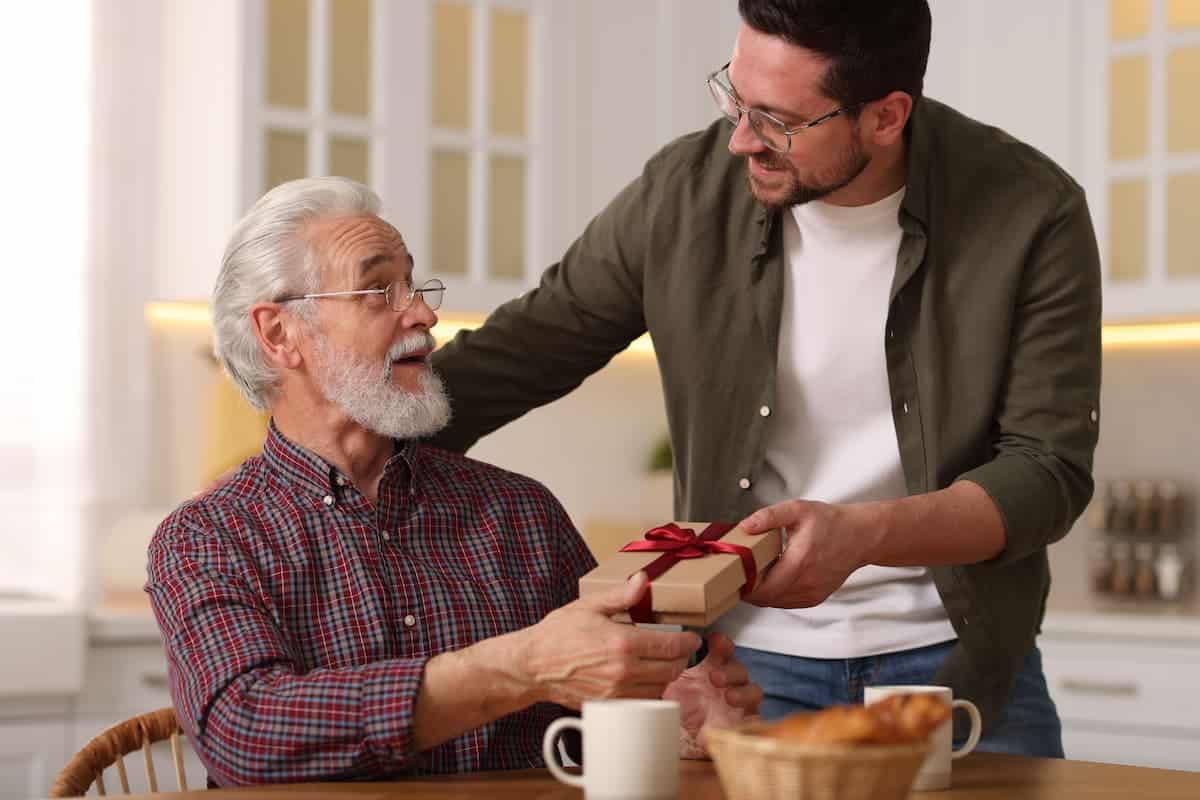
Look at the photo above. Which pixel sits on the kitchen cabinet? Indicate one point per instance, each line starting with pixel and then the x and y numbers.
pixel 126 675
pixel 476 122
pixel 1141 145
pixel 32 751
pixel 1125 699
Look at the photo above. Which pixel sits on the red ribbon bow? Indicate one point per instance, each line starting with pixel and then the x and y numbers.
pixel 678 543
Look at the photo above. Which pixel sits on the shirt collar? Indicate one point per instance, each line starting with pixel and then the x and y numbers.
pixel 314 474
pixel 920 137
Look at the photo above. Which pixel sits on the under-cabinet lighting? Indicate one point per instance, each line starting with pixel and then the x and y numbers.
pixel 1151 334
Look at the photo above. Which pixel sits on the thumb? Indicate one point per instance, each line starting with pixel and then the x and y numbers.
pixel 622 597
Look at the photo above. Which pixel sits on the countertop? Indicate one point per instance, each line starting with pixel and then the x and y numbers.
pixel 1080 613
pixel 125 617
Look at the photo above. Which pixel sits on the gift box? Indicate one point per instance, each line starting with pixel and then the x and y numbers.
pixel 698 571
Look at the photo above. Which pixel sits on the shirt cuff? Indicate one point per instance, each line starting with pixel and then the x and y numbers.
pixel 389 701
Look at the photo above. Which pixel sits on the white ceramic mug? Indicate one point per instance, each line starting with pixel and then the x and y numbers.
pixel 630 749
pixel 935 772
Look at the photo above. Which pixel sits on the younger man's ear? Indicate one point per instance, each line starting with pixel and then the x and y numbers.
pixel 890 115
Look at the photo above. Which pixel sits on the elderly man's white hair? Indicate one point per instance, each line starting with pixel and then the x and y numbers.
pixel 269 257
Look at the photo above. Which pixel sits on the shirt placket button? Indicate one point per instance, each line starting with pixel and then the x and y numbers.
pixel 410 620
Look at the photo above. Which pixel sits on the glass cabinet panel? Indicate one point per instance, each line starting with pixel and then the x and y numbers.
pixel 1128 19
pixel 452 66
pixel 348 157
pixel 287 53
pixel 286 156
pixel 1183 225
pixel 506 217
pixel 1129 108
pixel 1183 94
pixel 1127 250
pixel 1183 14
pixel 450 179
pixel 350 57
pixel 509 72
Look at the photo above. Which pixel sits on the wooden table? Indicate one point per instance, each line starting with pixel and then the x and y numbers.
pixel 980 776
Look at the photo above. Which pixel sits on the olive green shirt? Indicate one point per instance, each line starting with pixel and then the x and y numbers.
pixel 992 346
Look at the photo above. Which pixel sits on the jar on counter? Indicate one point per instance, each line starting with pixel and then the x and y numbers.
pixel 1145 508
pixel 1123 567
pixel 1143 573
pixel 1170 517
pixel 1123 511
pixel 1100 567
pixel 1168 569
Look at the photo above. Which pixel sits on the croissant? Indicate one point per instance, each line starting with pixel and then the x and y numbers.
pixel 899 719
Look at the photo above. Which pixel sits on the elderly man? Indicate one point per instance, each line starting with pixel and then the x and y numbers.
pixel 354 604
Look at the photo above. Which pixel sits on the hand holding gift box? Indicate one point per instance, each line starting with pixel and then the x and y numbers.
pixel 698 571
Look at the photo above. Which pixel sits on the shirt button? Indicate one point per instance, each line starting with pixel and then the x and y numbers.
pixel 1095 416
pixel 410 620
pixel 744 483
pixel 892 333
pixel 387 537
pixel 765 411
pixel 327 499
pixel 341 481
pixel 906 408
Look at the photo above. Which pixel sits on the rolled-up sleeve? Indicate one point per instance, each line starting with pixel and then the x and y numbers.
pixel 253 713
pixel 1040 475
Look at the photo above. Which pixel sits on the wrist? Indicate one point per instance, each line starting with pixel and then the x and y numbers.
pixel 869 524
pixel 516 664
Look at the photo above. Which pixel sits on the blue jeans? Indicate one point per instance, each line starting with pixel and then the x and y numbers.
pixel 793 683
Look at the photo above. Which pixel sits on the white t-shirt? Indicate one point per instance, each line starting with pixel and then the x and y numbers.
pixel 831 435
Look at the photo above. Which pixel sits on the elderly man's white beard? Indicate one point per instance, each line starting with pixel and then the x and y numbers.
pixel 365 392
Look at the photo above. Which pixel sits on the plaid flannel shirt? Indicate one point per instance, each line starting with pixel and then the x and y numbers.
pixel 298 617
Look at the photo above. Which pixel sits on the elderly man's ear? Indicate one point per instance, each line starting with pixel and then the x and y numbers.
pixel 278 334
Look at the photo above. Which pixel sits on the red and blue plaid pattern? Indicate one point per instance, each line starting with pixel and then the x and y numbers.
pixel 298 617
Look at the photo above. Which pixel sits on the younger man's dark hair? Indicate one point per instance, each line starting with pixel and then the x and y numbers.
pixel 874 46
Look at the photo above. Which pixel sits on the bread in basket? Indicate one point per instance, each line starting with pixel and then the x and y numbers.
pixel 841 753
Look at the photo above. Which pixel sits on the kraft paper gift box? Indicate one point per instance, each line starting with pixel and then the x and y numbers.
pixel 698 588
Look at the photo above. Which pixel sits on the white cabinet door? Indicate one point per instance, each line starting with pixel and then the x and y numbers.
pixel 31 755
pixel 122 681
pixel 1124 701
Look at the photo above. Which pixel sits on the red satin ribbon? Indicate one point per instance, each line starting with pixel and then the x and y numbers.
pixel 678 543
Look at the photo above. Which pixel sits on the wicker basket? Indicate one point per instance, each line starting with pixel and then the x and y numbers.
pixel 755 767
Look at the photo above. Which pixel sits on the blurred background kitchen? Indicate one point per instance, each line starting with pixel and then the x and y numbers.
pixel 138 131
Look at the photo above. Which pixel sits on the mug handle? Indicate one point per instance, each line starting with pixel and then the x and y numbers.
pixel 976 727
pixel 551 738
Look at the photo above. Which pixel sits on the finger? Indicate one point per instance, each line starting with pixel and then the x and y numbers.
pixel 731 675
pixel 658 673
pixel 664 645
pixel 618 598
pixel 779 515
pixel 745 697
pixel 720 649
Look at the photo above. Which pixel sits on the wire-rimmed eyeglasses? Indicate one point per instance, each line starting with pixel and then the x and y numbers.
pixel 398 294
pixel 770 130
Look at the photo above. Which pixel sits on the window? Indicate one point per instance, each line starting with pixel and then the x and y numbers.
pixel 45 315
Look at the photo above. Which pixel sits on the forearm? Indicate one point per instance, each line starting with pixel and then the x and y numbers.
pixel 956 525
pixel 467 688
pixel 275 725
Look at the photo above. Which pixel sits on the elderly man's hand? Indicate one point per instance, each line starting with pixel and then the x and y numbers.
pixel 715 692
pixel 578 653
